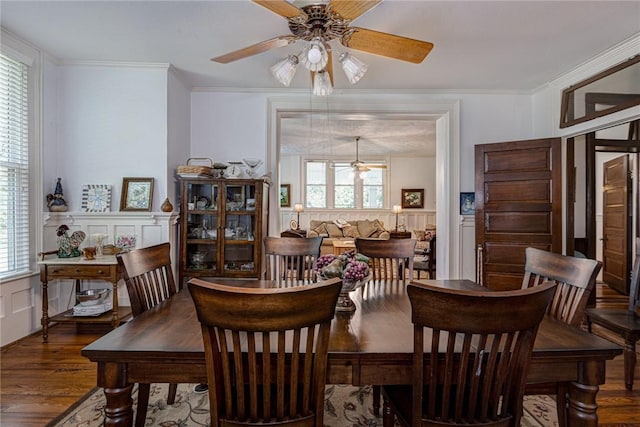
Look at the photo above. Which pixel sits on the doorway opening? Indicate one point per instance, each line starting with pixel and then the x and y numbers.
pixel 605 208
pixel 446 116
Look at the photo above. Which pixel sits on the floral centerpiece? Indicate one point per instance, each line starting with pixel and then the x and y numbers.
pixel 352 268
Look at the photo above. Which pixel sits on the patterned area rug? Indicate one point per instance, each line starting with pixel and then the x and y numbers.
pixel 345 406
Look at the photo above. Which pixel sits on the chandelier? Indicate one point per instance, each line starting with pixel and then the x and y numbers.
pixel 316 57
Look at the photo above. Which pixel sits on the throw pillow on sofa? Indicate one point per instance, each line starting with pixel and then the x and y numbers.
pixel 318 227
pixel 350 231
pixel 333 230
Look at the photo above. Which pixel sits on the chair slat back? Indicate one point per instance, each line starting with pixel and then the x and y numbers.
pixel 634 289
pixel 476 371
pixel 148 276
pixel 291 259
pixel 576 278
pixel 388 259
pixel 266 351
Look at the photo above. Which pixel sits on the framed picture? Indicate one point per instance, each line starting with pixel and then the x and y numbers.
pixel 125 241
pixel 285 195
pixel 413 198
pixel 137 194
pixel 467 203
pixel 96 198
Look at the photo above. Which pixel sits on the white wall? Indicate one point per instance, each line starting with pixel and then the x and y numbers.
pixel 179 132
pixel 111 123
pixel 412 172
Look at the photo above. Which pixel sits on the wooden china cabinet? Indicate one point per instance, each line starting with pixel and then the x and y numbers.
pixel 222 225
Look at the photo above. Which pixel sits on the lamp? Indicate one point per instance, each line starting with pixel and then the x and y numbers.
pixel 322 84
pixel 353 68
pixel 315 58
pixel 396 210
pixel 284 70
pixel 298 208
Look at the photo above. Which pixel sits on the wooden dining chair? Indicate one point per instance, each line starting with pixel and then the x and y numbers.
pixel 480 345
pixel 425 260
pixel 149 279
pixel 291 259
pixel 266 351
pixel 388 259
pixel 623 322
pixel 576 278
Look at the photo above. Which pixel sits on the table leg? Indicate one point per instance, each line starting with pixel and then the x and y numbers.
pixel 582 409
pixel 115 320
pixel 45 311
pixel 630 360
pixel 118 411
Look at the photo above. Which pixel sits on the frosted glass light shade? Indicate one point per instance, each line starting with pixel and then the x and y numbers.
pixel 322 84
pixel 353 68
pixel 284 70
pixel 314 56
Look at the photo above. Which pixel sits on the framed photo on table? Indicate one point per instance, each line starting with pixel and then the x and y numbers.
pixel 96 198
pixel 413 198
pixel 137 194
pixel 285 195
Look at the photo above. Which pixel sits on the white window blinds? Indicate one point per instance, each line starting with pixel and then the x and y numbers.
pixel 14 167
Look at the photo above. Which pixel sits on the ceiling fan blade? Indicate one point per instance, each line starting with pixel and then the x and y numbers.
pixel 350 9
pixel 375 166
pixel 389 45
pixel 281 7
pixel 255 49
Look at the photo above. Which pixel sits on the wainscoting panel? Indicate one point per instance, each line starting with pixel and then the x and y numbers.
pixel 146 228
pixel 411 219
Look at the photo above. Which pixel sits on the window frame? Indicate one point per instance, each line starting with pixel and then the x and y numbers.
pixel 31 56
pixel 330 180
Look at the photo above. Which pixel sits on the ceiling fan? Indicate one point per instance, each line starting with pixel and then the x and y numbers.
pixel 318 22
pixel 359 166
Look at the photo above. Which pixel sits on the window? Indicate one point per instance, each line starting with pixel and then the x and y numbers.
pixel 316 185
pixel 14 167
pixel 345 189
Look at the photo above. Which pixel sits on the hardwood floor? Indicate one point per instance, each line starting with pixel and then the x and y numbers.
pixel 39 381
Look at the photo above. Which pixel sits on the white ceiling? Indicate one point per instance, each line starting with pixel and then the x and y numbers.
pixel 479 45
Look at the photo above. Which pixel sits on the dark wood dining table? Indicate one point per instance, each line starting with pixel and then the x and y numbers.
pixel 372 345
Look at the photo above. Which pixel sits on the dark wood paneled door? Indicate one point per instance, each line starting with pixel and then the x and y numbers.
pixel 518 204
pixel 616 233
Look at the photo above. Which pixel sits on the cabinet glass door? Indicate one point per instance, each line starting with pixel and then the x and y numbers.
pixel 202 227
pixel 239 228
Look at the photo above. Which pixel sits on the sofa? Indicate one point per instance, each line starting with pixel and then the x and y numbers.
pixel 345 230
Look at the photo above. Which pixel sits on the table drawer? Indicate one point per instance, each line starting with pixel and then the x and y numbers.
pixel 82 272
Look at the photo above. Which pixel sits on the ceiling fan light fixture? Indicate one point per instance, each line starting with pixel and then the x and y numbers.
pixel 285 69
pixel 353 68
pixel 322 84
pixel 314 56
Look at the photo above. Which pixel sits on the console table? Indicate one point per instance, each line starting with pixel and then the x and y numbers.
pixel 77 268
pixel 399 234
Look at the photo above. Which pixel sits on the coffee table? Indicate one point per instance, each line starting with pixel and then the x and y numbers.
pixel 340 246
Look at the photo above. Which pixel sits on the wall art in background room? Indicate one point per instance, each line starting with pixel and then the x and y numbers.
pixel 413 198
pixel 125 241
pixel 285 195
pixel 137 194
pixel 96 198
pixel 467 203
